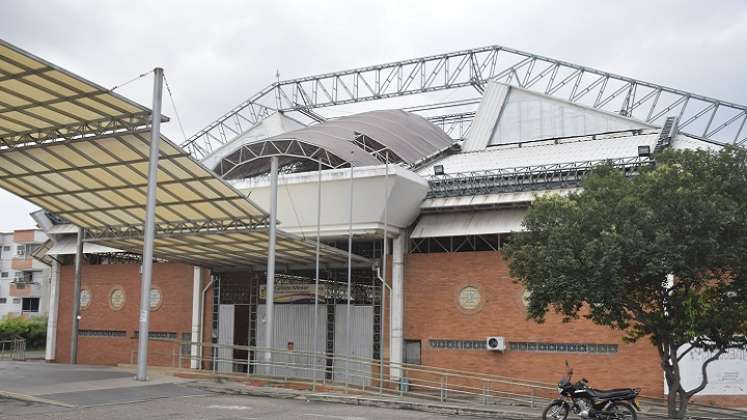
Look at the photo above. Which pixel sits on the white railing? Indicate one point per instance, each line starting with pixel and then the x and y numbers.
pixel 323 372
pixel 13 349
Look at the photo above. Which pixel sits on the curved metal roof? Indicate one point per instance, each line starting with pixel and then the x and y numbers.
pixel 355 139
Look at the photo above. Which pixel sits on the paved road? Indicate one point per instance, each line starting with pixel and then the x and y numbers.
pixel 52 391
pixel 210 407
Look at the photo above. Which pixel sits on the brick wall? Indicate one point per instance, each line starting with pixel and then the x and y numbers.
pixel 432 284
pixel 174 314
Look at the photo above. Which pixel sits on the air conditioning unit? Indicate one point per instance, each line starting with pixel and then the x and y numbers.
pixel 495 344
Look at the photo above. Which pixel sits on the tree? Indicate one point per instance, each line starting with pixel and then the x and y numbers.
pixel 662 255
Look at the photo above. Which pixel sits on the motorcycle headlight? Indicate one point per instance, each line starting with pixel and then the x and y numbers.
pixel 560 389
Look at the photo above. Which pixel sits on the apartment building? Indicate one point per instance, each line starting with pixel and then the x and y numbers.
pixel 24 280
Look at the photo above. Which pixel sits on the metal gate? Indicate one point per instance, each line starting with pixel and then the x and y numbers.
pixel 225 338
pixel 294 323
pixel 359 345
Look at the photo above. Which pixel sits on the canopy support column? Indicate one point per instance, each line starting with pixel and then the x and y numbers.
pixel 196 340
pixel 383 284
pixel 350 281
pixel 150 216
pixel 76 298
pixel 316 270
pixel 270 298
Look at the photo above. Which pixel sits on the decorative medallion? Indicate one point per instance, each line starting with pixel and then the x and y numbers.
pixel 155 298
pixel 117 298
pixel 469 298
pixel 85 298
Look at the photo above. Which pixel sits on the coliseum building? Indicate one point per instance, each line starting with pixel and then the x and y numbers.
pixel 397 187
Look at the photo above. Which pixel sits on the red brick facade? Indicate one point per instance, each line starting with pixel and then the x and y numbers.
pixel 432 312
pixel 173 315
pixel 432 285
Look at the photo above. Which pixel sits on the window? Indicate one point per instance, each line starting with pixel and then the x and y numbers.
pixel 16 301
pixel 21 250
pixel 412 352
pixel 4 275
pixel 30 305
pixel 3 300
pixel 6 248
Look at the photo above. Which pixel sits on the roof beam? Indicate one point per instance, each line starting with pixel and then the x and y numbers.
pixel 460 69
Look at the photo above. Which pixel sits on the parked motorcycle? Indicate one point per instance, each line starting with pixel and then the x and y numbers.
pixel 590 403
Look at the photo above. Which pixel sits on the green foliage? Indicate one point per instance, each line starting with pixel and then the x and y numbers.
pixel 606 252
pixel 34 330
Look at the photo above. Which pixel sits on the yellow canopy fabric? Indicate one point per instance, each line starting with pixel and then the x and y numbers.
pixel 42 102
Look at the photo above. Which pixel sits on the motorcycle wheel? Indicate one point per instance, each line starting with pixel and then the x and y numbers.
pixel 557 410
pixel 622 411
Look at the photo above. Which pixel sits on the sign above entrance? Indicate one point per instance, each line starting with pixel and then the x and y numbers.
pixel 294 293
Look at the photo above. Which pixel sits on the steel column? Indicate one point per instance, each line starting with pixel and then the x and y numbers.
pixel 149 228
pixel 270 298
pixel 316 268
pixel 76 298
pixel 350 279
pixel 384 265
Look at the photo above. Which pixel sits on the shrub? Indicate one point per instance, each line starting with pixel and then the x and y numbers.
pixel 34 330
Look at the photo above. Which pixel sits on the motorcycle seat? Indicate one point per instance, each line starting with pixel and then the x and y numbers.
pixel 613 393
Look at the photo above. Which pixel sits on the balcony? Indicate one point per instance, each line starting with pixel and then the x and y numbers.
pixel 20 289
pixel 22 263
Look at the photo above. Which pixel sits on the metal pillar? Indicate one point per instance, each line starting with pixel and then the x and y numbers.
pixel 397 306
pixel 350 280
pixel 76 298
pixel 150 216
pixel 384 265
pixel 194 350
pixel 316 268
pixel 54 308
pixel 270 298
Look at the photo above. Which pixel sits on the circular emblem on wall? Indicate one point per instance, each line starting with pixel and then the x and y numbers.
pixel 469 298
pixel 85 298
pixel 117 298
pixel 155 298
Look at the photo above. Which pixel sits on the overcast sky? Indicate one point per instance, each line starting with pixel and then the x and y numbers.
pixel 218 53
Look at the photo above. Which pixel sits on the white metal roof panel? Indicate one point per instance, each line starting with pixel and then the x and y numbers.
pixel 469 223
pixel 487 116
pixel 576 149
pixel 497 199
pixel 68 246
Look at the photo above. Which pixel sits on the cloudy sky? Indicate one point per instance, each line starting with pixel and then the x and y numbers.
pixel 218 53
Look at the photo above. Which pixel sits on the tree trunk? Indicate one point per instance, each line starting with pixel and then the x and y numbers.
pixel 677 398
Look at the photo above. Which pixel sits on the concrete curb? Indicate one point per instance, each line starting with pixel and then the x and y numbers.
pixel 372 401
pixel 367 401
pixel 31 398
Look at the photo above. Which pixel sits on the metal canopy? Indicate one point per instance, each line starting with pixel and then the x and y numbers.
pixel 358 140
pixel 41 102
pixel 241 248
pixel 100 184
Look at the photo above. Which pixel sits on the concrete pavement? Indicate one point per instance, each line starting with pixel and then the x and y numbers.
pixel 37 390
